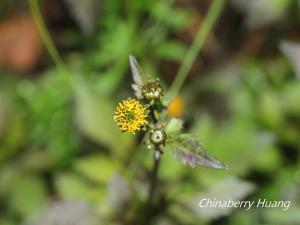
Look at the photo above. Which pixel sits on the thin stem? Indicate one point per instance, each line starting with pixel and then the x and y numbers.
pixel 204 30
pixel 36 12
pixel 153 181
pixel 149 209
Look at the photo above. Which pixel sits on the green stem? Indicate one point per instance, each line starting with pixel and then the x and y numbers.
pixel 149 209
pixel 204 30
pixel 153 181
pixel 36 12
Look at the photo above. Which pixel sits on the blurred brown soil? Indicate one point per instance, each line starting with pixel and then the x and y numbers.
pixel 20 43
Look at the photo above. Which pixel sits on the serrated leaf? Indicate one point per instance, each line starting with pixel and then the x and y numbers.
pixel 188 149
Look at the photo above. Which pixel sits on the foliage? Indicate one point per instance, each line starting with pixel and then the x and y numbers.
pixel 61 151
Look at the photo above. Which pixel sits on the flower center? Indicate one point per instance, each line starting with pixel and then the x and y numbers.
pixel 130 115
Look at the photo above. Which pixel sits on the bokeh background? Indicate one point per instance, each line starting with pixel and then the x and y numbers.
pixel 63 159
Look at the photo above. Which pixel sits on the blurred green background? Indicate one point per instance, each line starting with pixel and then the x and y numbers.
pixel 63 160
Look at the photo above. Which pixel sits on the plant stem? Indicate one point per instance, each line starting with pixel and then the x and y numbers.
pixel 149 209
pixel 36 12
pixel 153 181
pixel 204 30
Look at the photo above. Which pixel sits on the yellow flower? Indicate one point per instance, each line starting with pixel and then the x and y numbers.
pixel 176 108
pixel 130 115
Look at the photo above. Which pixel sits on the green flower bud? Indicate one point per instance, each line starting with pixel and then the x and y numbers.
pixel 152 90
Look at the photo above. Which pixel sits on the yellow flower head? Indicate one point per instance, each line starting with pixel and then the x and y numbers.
pixel 130 115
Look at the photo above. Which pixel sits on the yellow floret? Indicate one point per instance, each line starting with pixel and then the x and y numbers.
pixel 130 115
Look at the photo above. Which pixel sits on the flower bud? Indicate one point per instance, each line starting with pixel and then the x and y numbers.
pixel 152 90
pixel 157 136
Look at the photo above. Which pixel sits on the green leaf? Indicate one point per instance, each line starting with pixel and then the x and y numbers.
pixel 9 175
pixel 7 221
pixel 71 186
pixel 171 50
pixel 14 136
pixel 290 98
pixel 174 126
pixel 270 110
pixel 48 115
pixel 96 167
pixel 175 17
pixel 189 150
pixel 4 111
pixel 28 196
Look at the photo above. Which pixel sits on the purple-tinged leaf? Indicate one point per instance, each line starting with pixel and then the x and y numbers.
pixel 188 149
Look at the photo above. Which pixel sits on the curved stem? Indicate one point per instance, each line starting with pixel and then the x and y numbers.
pixel 36 12
pixel 204 30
